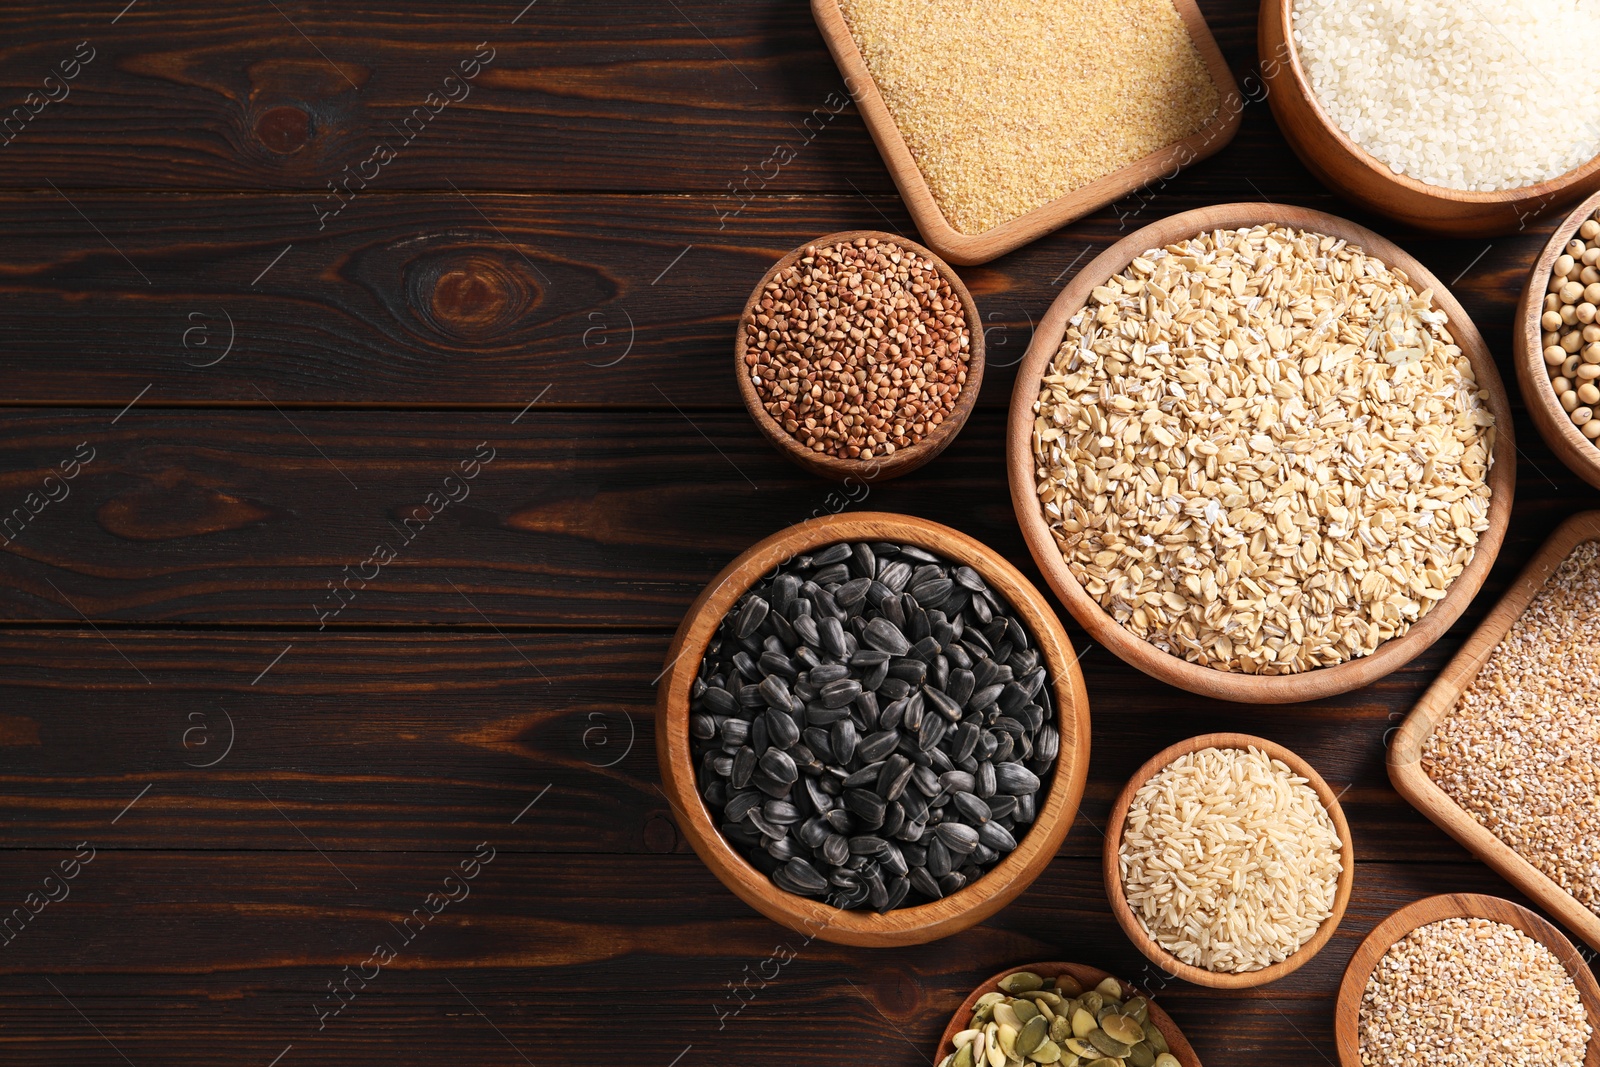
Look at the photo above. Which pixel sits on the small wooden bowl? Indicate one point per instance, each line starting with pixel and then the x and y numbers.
pixel 1135 929
pixel 972 248
pixel 903 926
pixel 1581 455
pixel 1352 172
pixel 1346 1021
pixel 1089 977
pixel 1174 670
pixel 881 468
pixel 1405 753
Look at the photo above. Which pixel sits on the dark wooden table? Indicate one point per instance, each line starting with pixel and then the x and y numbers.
pixel 270 274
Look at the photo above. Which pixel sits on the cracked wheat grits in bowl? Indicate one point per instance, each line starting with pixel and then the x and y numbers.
pixel 1261 453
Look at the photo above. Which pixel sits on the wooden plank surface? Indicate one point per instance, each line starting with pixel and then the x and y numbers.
pixel 485 299
pixel 611 519
pixel 253 387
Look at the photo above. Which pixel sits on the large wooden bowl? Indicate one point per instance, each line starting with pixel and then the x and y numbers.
pixel 1135 929
pixel 1089 977
pixel 970 248
pixel 1581 455
pixel 881 468
pixel 1352 172
pixel 1436 705
pixel 1346 1023
pixel 903 926
pixel 1210 681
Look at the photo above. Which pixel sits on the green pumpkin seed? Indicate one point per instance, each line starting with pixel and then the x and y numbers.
pixel 1138 1007
pixel 1047 1052
pixel 1156 1039
pixel 1107 1044
pixel 1024 1011
pixel 964 1057
pixel 1142 1055
pixel 1032 1034
pixel 1021 982
pixel 1123 1028
pixel 1044 996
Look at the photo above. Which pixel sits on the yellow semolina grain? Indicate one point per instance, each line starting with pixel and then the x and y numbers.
pixel 1009 105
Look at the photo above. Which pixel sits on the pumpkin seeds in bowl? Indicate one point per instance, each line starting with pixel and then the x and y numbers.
pixel 1033 1019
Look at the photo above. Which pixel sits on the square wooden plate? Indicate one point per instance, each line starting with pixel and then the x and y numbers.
pixel 1405 754
pixel 965 248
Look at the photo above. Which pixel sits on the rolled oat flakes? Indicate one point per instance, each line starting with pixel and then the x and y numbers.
pixel 1261 450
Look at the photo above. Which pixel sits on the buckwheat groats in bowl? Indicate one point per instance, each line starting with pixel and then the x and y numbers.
pixel 857 355
pixel 1260 449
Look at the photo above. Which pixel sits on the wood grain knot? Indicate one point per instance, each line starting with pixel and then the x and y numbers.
pixel 472 296
pixel 175 507
pixel 284 130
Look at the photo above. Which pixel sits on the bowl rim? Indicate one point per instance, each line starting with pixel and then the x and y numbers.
pixel 1580 454
pixel 903 926
pixel 1134 929
pixel 879 468
pixel 1419 913
pixel 1170 1030
pixel 1550 187
pixel 1132 649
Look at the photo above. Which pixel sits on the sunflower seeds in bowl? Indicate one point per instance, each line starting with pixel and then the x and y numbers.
pixel 872 726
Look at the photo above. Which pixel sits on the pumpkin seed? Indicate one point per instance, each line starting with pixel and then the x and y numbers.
pixel 1142 1055
pixel 963 1057
pixel 1083 1023
pixel 1079 1047
pixel 1157 1040
pixel 1106 1061
pixel 1047 1052
pixel 1123 1028
pixel 1021 982
pixel 1032 1033
pixel 1006 1037
pixel 1106 1043
pixel 1167 1059
pixel 1060 1029
pixel 1006 1015
pixel 965 1037
pixel 1024 1011
pixel 1093 1001
pixel 1111 988
pixel 1139 1008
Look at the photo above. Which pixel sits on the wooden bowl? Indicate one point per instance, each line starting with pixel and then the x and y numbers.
pixel 881 468
pixel 1581 455
pixel 1174 670
pixel 971 248
pixel 1452 906
pixel 1405 752
pixel 1089 977
pixel 1135 929
pixel 903 926
pixel 1352 172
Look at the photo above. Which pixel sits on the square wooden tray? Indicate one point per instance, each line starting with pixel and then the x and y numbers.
pixel 968 249
pixel 1405 753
